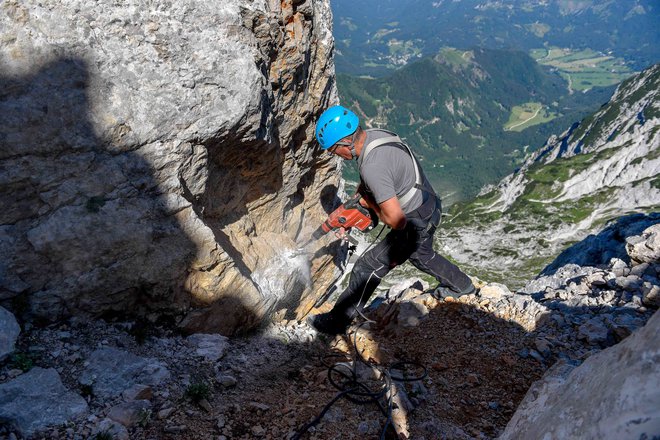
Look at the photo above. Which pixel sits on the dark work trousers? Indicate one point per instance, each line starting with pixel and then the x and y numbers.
pixel 414 242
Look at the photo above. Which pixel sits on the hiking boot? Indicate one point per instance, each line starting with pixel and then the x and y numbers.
pixel 328 323
pixel 445 292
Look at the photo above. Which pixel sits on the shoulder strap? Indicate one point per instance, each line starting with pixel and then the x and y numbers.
pixel 407 197
pixel 377 143
pixel 394 139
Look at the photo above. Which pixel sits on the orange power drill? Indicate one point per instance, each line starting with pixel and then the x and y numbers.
pixel 349 215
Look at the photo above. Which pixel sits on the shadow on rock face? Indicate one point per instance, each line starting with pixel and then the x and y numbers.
pixel 87 227
pixel 329 198
pixel 242 319
pixel 99 220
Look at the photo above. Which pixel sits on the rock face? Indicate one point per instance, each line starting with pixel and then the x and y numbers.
pixel 614 394
pixel 153 159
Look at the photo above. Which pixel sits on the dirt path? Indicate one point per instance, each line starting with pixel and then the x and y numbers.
pixel 526 120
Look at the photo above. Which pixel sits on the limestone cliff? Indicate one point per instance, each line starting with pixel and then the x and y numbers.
pixel 612 395
pixel 157 158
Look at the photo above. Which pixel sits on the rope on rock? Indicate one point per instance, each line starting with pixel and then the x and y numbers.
pixel 353 389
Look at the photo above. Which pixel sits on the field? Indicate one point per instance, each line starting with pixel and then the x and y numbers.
pixel 583 69
pixel 454 57
pixel 527 115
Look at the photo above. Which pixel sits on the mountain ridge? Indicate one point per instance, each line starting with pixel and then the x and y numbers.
pixel 375 36
pixel 598 170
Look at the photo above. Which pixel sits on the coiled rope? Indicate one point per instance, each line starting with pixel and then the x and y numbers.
pixel 354 390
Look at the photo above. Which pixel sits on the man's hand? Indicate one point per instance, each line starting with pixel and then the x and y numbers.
pixel 342 234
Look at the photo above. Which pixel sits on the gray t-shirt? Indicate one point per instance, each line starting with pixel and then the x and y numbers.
pixel 388 171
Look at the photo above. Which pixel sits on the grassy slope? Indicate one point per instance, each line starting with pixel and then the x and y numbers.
pixel 527 115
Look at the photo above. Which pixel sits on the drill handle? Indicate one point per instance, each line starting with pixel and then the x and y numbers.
pixel 354 203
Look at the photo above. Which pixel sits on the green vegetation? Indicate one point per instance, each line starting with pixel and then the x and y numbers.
pixel 603 27
pixel 652 111
pixel 144 417
pixel 537 54
pixel 398 48
pixel 527 115
pixel 584 69
pixel 538 29
pixel 535 204
pixel 22 361
pixel 651 155
pixel 454 57
pixel 198 391
pixel 382 33
pixel 655 183
pixel 597 125
pixel 539 207
pixel 453 108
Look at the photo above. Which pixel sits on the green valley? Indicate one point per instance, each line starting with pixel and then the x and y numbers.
pixel 585 68
pixel 470 115
pixel 374 37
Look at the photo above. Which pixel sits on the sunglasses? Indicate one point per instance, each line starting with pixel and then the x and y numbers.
pixel 332 149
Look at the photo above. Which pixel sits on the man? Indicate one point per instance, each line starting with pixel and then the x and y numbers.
pixel 393 186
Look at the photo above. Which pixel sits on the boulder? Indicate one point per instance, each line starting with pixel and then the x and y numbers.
pixel 594 331
pixel 494 291
pixel 9 331
pixel 411 313
pixel 110 372
pixel 614 394
pixel 210 347
pixel 130 413
pixel 645 248
pixel 109 427
pixel 652 296
pixel 138 392
pixel 38 399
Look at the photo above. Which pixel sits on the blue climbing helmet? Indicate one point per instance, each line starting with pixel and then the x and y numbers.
pixel 334 124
